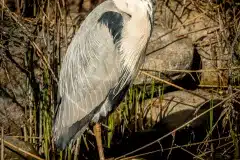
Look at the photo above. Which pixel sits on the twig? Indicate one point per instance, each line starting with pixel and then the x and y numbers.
pixel 202 29
pixel 194 156
pixel 22 137
pixel 41 56
pixel 161 80
pixel 171 84
pixel 178 18
pixel 191 71
pixel 211 86
pixel 19 150
pixel 9 56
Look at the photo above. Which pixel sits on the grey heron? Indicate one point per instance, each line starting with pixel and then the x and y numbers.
pixel 101 62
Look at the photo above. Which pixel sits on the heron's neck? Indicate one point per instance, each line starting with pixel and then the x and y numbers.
pixel 139 25
pixel 136 34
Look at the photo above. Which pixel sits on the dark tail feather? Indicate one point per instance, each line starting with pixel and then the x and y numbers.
pixel 70 134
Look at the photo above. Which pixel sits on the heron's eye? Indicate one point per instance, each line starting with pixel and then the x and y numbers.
pixel 153 2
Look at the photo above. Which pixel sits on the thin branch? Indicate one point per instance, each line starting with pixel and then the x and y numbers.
pixel 22 69
pixel 191 71
pixel 174 85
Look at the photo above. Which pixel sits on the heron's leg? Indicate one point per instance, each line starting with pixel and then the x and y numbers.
pixel 97 133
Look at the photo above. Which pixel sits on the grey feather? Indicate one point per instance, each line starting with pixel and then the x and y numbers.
pixel 86 79
pixel 100 64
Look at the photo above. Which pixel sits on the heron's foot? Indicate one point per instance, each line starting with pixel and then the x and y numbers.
pixel 97 133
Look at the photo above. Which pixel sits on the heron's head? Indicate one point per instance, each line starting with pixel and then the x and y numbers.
pixel 135 6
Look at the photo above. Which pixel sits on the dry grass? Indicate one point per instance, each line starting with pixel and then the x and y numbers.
pixel 32 49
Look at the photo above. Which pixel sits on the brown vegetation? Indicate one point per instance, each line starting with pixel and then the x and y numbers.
pixel 34 37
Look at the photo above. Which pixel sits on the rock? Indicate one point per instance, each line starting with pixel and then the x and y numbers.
pixel 11 116
pixel 207 32
pixel 13 75
pixel 167 52
pixel 175 103
pixel 9 154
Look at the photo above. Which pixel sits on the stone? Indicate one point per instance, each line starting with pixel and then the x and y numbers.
pixel 11 116
pixel 166 54
pixel 207 32
pixel 13 75
pixel 173 103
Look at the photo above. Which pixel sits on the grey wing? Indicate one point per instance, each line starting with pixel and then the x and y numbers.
pixel 89 71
